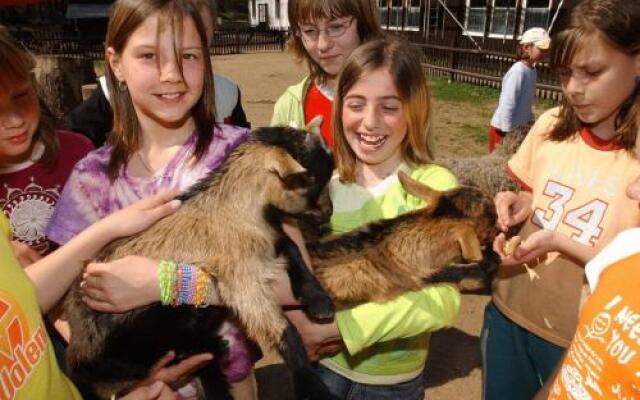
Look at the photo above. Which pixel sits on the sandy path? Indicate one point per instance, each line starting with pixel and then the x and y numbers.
pixel 453 369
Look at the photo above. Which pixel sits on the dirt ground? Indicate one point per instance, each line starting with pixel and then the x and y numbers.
pixel 453 368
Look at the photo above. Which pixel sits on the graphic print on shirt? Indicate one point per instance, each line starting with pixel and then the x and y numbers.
pixel 608 342
pixel 585 220
pixel 29 211
pixel 20 349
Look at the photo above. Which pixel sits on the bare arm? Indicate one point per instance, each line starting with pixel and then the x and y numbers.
pixel 542 242
pixel 54 274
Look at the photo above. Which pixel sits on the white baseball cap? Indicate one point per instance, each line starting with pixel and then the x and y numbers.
pixel 537 36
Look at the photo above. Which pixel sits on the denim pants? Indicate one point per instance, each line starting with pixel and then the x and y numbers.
pixel 346 389
pixel 515 362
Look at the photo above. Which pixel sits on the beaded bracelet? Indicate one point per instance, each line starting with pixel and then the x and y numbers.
pixel 185 284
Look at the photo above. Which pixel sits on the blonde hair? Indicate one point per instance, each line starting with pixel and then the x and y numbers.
pixel 16 66
pixel 616 21
pixel 365 13
pixel 405 66
pixel 126 16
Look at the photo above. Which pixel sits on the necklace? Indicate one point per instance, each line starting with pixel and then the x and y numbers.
pixel 144 163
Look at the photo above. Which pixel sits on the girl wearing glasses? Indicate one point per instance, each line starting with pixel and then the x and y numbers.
pixel 325 32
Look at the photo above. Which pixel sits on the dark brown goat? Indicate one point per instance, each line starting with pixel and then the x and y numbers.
pixel 383 259
pixel 230 225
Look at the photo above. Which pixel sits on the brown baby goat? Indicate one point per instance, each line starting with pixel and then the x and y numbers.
pixel 383 259
pixel 230 225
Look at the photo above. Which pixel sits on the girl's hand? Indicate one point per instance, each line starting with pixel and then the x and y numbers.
pixel 25 254
pixel 173 376
pixel 320 339
pixel 139 216
pixel 156 391
pixel 537 245
pixel 121 285
pixel 512 208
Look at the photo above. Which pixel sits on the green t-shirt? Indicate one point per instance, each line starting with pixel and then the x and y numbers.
pixel 387 343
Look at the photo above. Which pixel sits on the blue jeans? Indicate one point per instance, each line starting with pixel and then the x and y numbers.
pixel 346 389
pixel 515 362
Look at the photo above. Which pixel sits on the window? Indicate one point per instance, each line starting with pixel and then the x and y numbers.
pixel 536 13
pixel 413 15
pixel 253 8
pixel 435 17
pixel 383 10
pixel 476 16
pixel 277 9
pixel 395 22
pixel 263 14
pixel 503 20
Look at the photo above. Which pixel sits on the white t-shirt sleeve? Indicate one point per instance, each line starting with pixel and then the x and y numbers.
pixel 622 246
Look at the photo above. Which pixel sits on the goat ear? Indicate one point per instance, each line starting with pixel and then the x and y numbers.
pixel 469 244
pixel 291 173
pixel 314 125
pixel 420 190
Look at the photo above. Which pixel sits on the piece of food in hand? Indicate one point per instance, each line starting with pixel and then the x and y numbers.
pixel 511 245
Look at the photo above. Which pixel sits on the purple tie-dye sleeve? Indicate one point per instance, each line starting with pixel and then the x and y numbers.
pixel 77 208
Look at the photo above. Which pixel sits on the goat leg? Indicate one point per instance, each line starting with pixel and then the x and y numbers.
pixel 467 277
pixel 307 383
pixel 473 277
pixel 304 284
pixel 214 383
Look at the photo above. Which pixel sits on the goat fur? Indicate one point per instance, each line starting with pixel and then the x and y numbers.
pixel 383 259
pixel 229 225
pixel 488 172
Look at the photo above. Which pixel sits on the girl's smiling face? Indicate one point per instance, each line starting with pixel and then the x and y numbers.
pixel 374 122
pixel 19 119
pixel 162 87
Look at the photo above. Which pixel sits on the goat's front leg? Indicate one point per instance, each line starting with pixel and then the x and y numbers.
pixel 263 320
pixel 304 284
pixel 472 277
pixel 307 383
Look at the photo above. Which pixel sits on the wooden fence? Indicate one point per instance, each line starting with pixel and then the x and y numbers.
pixel 484 68
pixel 64 45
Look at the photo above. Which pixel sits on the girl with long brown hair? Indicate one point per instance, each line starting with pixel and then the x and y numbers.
pixel 573 169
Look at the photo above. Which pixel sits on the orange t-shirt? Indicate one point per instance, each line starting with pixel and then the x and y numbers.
pixel 318 103
pixel 603 361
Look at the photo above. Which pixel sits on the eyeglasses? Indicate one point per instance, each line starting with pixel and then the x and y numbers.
pixel 310 33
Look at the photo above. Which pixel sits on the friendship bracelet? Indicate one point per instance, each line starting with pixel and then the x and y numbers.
pixel 185 284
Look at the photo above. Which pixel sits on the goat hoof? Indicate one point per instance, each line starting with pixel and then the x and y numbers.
pixel 320 307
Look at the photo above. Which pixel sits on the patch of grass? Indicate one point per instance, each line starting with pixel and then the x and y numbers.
pixel 441 89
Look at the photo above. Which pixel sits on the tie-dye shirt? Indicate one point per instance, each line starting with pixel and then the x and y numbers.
pixel 89 195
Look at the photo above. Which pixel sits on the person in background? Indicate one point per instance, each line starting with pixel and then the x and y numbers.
pixel 519 87
pixel 324 33
pixel 94 116
pixel 574 168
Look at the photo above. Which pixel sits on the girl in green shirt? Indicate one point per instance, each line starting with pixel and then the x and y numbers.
pixel 381 126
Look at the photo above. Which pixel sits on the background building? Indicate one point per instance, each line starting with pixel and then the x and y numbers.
pixel 270 14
